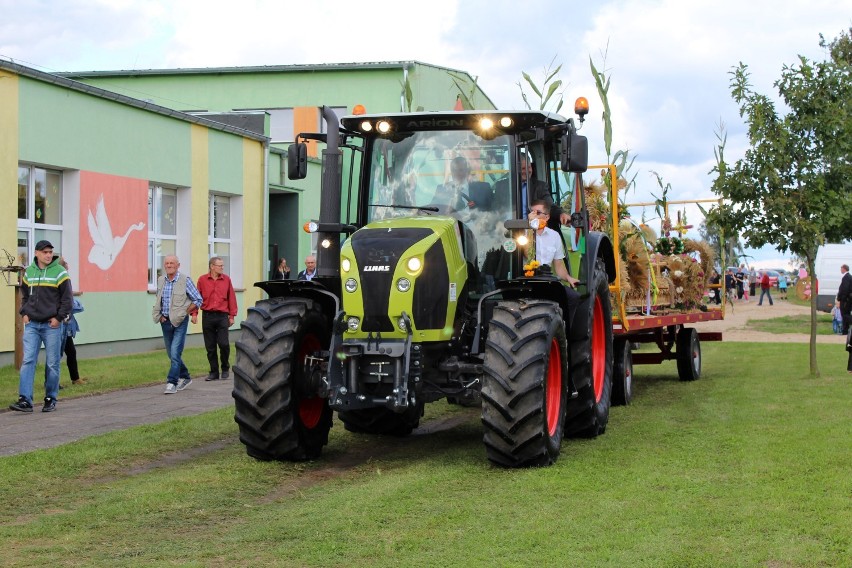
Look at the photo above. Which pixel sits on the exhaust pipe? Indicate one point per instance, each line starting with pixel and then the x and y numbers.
pixel 328 258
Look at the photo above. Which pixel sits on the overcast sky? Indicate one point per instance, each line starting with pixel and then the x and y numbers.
pixel 669 60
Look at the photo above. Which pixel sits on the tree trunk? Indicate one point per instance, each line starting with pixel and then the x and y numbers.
pixel 810 258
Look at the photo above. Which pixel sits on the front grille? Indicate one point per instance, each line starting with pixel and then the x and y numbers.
pixel 431 294
pixel 381 248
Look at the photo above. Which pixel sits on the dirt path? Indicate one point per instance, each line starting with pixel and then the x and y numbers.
pixel 734 325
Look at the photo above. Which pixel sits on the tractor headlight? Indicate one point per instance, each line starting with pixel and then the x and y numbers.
pixel 403 284
pixel 345 264
pixel 414 264
pixel 352 323
pixel 351 285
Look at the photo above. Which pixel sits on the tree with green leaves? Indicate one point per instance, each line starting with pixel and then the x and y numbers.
pixel 793 187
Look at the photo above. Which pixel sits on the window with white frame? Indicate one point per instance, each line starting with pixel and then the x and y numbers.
pixel 281 125
pixel 219 229
pixel 39 209
pixel 162 229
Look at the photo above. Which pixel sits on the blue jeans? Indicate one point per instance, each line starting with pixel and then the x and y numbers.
pixel 36 333
pixel 765 291
pixel 174 338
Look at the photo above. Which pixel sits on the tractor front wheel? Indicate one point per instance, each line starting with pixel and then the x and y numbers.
pixel 279 416
pixel 524 386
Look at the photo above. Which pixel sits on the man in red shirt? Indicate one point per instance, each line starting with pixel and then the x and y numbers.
pixel 765 289
pixel 218 310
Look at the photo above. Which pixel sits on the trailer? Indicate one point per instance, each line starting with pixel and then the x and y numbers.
pixel 669 330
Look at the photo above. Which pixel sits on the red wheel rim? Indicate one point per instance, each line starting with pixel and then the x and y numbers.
pixel 310 409
pixel 598 350
pixel 553 392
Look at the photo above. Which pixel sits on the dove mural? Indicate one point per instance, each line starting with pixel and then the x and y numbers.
pixel 113 235
pixel 106 247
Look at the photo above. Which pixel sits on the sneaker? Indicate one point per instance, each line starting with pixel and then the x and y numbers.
pixel 23 405
pixel 225 373
pixel 213 377
pixel 183 383
pixel 171 388
pixel 79 382
pixel 49 405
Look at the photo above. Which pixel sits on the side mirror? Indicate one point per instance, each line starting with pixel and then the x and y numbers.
pixel 575 153
pixel 297 161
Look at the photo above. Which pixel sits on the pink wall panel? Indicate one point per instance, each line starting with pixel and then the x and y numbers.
pixel 113 233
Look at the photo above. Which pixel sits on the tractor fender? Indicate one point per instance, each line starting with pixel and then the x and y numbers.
pixel 329 301
pixel 598 245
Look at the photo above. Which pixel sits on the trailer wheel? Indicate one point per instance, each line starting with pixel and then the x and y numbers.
pixel 591 360
pixel 382 420
pixel 688 354
pixel 278 412
pixel 524 384
pixel 622 373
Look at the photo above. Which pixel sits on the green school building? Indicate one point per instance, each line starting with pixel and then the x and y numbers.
pixel 121 168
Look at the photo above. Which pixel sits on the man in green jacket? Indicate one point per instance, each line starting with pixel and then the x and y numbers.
pixel 45 304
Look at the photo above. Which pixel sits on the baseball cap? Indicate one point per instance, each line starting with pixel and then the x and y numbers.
pixel 41 245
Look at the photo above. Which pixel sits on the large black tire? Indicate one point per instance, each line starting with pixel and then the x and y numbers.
pixel 591 360
pixel 382 420
pixel 278 415
pixel 524 384
pixel 622 373
pixel 688 354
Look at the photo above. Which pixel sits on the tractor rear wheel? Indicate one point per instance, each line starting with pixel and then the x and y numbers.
pixel 591 360
pixel 622 373
pixel 524 384
pixel 688 354
pixel 279 414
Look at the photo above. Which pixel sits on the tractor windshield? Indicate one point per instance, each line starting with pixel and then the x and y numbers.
pixel 444 172
pixel 453 173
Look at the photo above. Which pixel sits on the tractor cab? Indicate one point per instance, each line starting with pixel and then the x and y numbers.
pixel 468 167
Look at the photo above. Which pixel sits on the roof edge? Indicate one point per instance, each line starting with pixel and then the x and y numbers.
pixel 58 79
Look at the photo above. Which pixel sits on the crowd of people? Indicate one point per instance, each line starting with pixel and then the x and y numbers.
pixel 48 310
pixel 742 284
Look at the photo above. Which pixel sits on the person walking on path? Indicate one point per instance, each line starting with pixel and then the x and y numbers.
pixel 177 298
pixel 70 327
pixel 782 286
pixel 753 280
pixel 45 303
pixel 844 296
pixel 218 310
pixel 741 277
pixel 310 271
pixel 765 289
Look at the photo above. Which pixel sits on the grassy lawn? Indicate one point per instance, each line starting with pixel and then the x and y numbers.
pixel 748 466
pixel 793 324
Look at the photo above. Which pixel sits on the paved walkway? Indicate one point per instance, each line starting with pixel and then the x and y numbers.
pixel 78 418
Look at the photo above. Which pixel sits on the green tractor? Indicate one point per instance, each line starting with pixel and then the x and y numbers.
pixel 422 293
